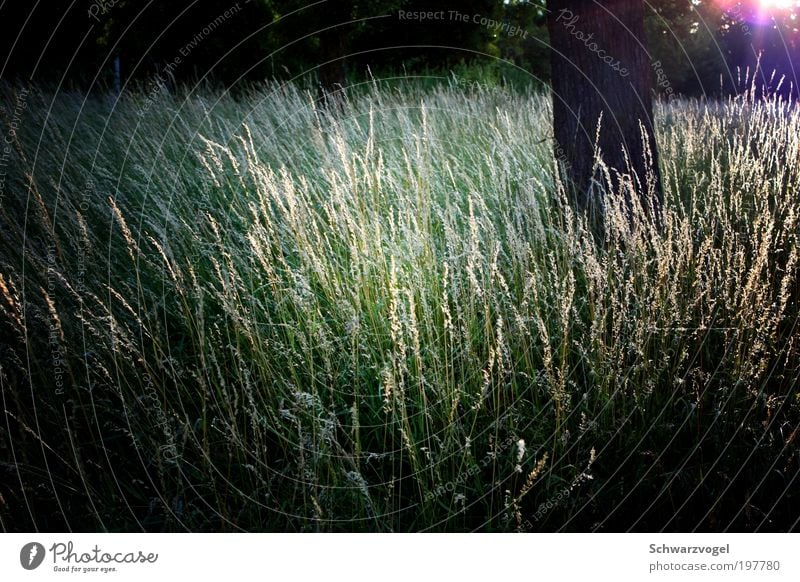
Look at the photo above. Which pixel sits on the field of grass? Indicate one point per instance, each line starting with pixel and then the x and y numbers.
pixel 254 313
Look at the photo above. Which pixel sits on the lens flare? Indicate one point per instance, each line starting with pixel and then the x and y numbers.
pixel 760 11
pixel 769 4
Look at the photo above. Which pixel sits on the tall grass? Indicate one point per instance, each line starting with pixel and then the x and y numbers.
pixel 260 314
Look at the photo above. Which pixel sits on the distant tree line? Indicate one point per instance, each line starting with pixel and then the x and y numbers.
pixel 696 46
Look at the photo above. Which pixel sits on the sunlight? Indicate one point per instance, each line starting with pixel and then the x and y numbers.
pixel 780 4
pixel 760 11
pixel 775 9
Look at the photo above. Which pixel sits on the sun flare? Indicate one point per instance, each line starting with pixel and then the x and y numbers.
pixel 762 12
pixel 779 4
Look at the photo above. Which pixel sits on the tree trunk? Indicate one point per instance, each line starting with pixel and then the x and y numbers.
pixel 333 73
pixel 601 75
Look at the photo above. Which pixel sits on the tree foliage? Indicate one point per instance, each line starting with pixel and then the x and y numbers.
pixel 700 44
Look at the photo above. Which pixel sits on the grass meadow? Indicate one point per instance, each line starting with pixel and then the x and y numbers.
pixel 252 312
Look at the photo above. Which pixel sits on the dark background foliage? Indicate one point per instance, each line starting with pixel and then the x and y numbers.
pixel 76 42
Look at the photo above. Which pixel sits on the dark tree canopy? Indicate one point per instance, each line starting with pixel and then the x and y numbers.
pixel 325 42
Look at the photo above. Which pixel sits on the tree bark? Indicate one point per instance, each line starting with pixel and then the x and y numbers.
pixel 602 97
pixel 333 73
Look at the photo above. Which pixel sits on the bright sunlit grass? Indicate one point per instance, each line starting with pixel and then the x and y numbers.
pixel 384 316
